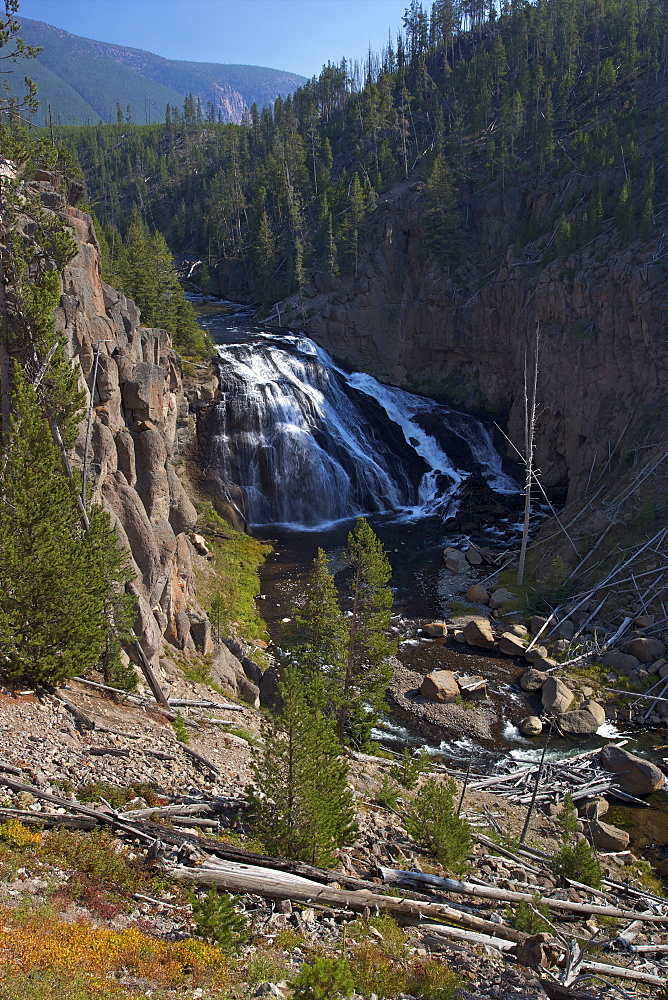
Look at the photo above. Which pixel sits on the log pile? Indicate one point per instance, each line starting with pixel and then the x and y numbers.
pixel 477 915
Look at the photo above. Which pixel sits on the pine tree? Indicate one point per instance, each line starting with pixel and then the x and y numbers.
pixel 367 671
pixel 57 583
pixel 300 804
pixel 323 642
pixel 440 221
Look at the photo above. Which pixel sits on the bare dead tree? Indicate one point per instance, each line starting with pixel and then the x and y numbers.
pixel 530 405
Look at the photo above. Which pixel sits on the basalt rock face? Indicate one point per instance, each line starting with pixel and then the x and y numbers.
pixel 142 422
pixel 461 336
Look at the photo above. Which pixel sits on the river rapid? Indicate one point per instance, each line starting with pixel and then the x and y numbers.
pixel 313 445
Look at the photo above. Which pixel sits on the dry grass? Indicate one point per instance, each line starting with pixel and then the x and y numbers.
pixel 39 952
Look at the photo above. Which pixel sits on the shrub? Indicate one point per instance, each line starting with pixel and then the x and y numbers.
pixel 386 795
pixel 180 728
pixel 217 921
pixel 408 770
pixel 15 833
pixel 431 980
pixel 433 823
pixel 326 979
pixel 575 858
pixel 525 918
pixel 578 862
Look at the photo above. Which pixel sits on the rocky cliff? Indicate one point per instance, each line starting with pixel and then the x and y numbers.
pixel 461 336
pixel 141 432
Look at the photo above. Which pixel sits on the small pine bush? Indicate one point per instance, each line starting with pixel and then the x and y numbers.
pixel 525 918
pixel 433 823
pixel 407 772
pixel 575 858
pixel 180 728
pixel 218 922
pixel 579 862
pixel 326 979
pixel 387 795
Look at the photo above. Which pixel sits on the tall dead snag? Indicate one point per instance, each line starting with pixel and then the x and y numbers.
pixel 530 385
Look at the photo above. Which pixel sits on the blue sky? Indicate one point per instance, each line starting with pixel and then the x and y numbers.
pixel 295 35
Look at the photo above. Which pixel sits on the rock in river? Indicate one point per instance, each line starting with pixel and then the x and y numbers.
pixel 635 775
pixel 578 723
pixel 556 696
pixel 512 645
pixel 531 726
pixel 533 680
pixel 607 837
pixel 440 685
pixel 478 632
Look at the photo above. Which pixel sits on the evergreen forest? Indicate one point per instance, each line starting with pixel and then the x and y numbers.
pixel 463 99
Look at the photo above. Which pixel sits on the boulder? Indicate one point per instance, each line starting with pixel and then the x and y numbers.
pixel 501 597
pixel 435 630
pixel 473 557
pixel 645 649
pixel 594 709
pixel 473 688
pixel 478 632
pixel 200 630
pixel 544 663
pixel 269 693
pixel 440 685
pixel 459 636
pixel 536 623
pixel 636 776
pixel 455 560
pixel 199 544
pixel 564 630
pixel 607 837
pixel 593 808
pixel 623 663
pixel 556 696
pixel 578 723
pixel 226 670
pixel 533 680
pixel 539 951
pixel 521 631
pixel 251 670
pixel 248 692
pixel 477 594
pixel 511 645
pixel 531 726
pixel 531 655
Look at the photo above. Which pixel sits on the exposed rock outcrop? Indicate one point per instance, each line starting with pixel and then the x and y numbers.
pixel 141 424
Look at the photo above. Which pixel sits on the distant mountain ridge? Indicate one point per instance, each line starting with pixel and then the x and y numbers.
pixel 84 80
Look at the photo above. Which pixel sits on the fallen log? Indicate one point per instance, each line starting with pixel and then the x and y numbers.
pixel 48 819
pixel 462 934
pixel 403 879
pixel 239 878
pixel 621 972
pixel 185 703
pixel 100 817
pixel 198 757
pixel 10 769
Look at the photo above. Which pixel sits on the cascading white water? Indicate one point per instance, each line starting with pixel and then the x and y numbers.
pixel 310 444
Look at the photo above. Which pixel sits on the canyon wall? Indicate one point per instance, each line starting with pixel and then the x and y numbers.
pixel 142 430
pixel 461 335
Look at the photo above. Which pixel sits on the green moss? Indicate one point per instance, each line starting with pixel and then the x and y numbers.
pixel 231 578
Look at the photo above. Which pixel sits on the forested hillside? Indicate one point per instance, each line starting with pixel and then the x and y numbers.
pixel 463 99
pixel 85 81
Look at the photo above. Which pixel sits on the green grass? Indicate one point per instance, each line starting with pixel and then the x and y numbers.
pixel 232 574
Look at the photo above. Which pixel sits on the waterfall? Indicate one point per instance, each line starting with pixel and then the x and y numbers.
pixel 310 444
